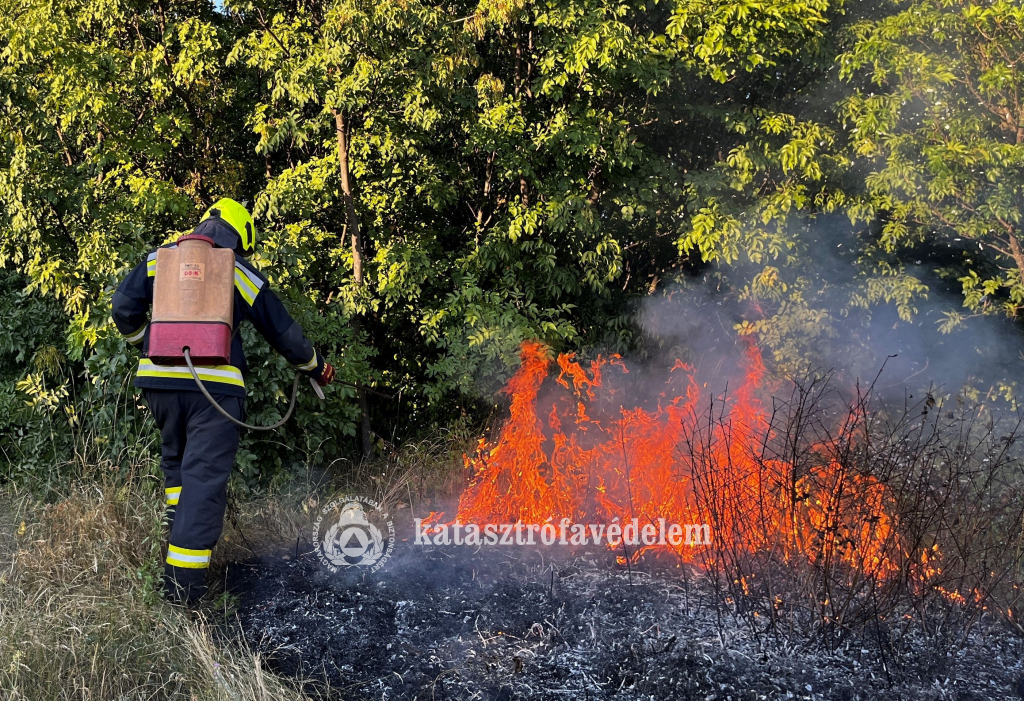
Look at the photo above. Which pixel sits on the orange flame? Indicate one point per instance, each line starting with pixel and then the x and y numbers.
pixel 577 451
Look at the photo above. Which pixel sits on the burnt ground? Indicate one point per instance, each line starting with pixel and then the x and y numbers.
pixel 511 623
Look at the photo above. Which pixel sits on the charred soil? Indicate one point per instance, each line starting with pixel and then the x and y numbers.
pixel 454 623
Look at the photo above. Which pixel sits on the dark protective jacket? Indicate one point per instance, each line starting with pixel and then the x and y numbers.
pixel 254 301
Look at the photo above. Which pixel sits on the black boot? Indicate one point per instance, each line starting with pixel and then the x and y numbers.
pixel 183 585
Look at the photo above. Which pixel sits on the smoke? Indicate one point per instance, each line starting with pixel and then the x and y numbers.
pixel 840 318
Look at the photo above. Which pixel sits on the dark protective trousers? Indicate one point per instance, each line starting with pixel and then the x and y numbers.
pixel 197 452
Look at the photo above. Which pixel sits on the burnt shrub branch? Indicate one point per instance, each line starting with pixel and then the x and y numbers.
pixel 840 518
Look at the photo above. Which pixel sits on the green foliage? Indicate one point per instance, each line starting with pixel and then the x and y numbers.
pixel 517 170
pixel 937 114
pixel 30 362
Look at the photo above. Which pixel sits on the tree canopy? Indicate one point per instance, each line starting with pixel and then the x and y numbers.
pixel 436 182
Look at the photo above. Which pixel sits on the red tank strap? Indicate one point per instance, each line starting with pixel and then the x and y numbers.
pixel 195 237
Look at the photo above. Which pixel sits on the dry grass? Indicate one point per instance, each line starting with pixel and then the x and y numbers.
pixel 80 617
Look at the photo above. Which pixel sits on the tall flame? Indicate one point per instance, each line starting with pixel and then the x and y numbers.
pixel 578 450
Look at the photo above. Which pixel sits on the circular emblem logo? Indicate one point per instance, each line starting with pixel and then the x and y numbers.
pixel 354 537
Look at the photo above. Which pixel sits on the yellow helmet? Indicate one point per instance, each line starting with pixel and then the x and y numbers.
pixel 237 217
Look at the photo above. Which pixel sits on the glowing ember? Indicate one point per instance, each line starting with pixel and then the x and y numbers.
pixel 577 449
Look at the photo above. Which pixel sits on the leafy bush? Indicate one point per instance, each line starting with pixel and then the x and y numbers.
pixel 435 183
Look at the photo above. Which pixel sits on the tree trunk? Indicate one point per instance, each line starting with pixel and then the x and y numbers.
pixel 1018 253
pixel 352 226
pixel 351 221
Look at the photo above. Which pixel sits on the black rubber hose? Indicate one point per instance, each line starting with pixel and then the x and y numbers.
pixel 229 417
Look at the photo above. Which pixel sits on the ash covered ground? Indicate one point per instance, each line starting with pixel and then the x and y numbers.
pixel 512 623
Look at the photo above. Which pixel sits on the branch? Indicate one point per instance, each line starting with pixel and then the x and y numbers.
pixel 67 153
pixel 268 30
pixel 1003 113
pixel 487 188
pixel 1006 225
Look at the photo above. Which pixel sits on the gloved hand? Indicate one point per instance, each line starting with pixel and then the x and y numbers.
pixel 327 376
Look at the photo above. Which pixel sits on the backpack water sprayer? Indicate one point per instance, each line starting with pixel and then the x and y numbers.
pixel 193 313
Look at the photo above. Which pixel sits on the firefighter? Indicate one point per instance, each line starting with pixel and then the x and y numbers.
pixel 198 444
